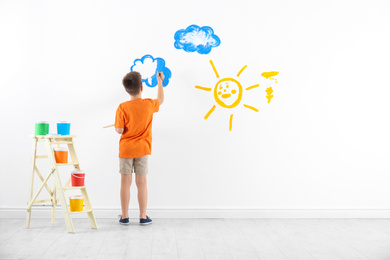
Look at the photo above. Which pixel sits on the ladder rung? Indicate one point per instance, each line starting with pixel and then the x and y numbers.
pixel 61 142
pixel 42 201
pixel 72 163
pixel 73 187
pixel 41 156
pixel 78 212
pixel 53 136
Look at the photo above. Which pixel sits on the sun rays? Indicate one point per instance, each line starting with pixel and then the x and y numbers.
pixel 215 70
pixel 251 87
pixel 239 73
pixel 209 113
pixel 228 93
pixel 202 88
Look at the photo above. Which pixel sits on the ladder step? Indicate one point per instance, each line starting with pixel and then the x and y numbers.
pixel 41 156
pixel 42 201
pixel 73 187
pixel 78 212
pixel 53 137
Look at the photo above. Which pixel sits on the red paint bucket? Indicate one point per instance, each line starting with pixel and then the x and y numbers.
pixel 77 178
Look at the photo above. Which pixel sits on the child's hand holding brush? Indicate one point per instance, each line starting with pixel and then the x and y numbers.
pixel 160 90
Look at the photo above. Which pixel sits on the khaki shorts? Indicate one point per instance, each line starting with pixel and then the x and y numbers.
pixel 138 165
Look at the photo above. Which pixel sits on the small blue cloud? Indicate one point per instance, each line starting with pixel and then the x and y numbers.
pixel 195 38
pixel 148 67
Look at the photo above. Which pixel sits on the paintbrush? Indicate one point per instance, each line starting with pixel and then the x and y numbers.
pixel 159 75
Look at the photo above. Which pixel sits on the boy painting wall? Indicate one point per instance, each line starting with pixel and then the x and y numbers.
pixel 133 121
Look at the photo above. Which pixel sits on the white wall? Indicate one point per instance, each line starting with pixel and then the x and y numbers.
pixel 322 143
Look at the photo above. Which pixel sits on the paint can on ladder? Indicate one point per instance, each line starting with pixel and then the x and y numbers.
pixel 77 178
pixel 76 203
pixel 61 155
pixel 41 128
pixel 63 128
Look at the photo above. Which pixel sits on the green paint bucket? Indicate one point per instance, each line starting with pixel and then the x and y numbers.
pixel 41 128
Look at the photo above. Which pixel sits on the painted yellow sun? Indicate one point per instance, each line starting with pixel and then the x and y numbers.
pixel 228 93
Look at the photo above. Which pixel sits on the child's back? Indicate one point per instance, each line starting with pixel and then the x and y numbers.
pixel 133 121
pixel 136 116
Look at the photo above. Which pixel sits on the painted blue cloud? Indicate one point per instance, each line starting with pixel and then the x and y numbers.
pixel 148 67
pixel 195 38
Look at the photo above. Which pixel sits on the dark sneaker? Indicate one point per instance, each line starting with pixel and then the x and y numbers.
pixel 145 221
pixel 124 221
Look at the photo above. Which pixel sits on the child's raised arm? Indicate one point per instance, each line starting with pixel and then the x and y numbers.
pixel 160 90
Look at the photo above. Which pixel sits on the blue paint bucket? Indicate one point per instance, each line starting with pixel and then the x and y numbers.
pixel 63 128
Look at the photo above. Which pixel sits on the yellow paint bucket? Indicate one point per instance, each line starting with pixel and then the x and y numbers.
pixel 76 203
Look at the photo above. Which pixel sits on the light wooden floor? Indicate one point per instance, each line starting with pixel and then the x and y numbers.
pixel 297 239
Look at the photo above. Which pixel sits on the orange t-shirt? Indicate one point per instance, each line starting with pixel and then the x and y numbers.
pixel 136 116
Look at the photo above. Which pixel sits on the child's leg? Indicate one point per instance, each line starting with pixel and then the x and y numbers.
pixel 140 180
pixel 125 194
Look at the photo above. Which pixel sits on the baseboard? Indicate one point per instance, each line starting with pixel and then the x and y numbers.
pixel 45 212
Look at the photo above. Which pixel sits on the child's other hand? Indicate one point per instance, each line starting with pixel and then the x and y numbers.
pixel 160 76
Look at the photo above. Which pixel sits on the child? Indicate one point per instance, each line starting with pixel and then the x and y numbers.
pixel 133 121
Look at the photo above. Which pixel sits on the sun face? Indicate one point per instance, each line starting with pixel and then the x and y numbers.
pixel 228 93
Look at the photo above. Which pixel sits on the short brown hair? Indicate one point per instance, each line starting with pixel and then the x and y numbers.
pixel 132 83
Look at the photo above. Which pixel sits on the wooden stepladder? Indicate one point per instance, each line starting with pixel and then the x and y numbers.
pixel 58 189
